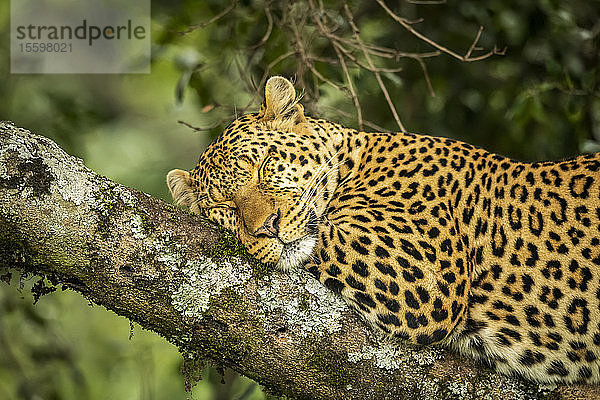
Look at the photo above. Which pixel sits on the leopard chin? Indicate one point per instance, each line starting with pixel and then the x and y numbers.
pixel 296 253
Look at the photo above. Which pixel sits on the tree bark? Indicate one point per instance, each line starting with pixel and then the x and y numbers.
pixel 186 279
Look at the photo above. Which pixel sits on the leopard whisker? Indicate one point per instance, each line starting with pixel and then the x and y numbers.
pixel 315 225
pixel 315 191
pixel 314 188
pixel 315 177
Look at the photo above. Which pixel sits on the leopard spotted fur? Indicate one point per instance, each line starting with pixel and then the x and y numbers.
pixel 430 239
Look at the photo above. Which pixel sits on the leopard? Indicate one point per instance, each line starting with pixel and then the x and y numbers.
pixel 432 240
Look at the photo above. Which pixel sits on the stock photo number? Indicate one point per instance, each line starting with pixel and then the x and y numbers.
pixel 33 47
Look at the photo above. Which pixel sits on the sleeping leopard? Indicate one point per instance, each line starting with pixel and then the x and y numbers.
pixel 432 240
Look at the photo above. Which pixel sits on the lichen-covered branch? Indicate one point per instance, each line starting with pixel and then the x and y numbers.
pixel 191 282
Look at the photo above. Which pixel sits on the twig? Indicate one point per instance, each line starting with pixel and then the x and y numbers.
pixel 387 52
pixel 474 42
pixel 368 124
pixel 467 58
pixel 426 2
pixel 342 61
pixel 350 87
pixel 270 66
pixel 349 54
pixel 205 128
pixel 426 74
pixel 269 27
pixel 377 74
pixel 212 20
pixel 306 59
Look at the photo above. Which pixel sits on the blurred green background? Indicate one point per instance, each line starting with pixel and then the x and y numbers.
pixel 540 100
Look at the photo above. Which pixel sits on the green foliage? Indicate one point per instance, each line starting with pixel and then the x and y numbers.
pixel 540 100
pixel 83 353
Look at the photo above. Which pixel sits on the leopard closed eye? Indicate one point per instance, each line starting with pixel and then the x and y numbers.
pixel 430 239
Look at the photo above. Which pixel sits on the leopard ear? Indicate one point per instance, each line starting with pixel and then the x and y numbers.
pixel 280 103
pixel 180 185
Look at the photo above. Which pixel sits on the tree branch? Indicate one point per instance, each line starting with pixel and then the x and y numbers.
pixel 182 277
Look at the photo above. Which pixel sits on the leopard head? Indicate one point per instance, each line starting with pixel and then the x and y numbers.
pixel 268 178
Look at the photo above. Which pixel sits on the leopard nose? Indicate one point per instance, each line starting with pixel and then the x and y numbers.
pixel 271 226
